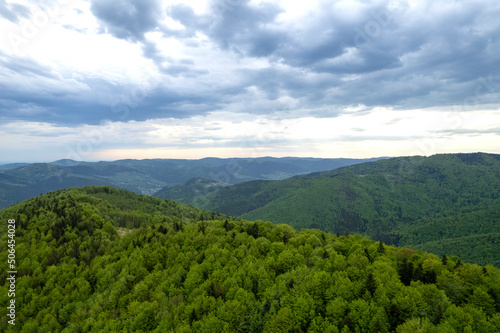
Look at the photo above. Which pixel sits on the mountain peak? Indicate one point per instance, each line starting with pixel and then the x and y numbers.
pixel 66 162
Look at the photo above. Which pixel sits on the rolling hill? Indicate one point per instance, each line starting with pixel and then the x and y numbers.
pixel 98 259
pixel 403 201
pixel 190 191
pixel 21 181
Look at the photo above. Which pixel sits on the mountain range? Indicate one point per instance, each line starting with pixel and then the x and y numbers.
pixel 447 203
pixel 21 181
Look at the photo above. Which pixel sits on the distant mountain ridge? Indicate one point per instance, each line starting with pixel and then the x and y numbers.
pixel 22 181
pixel 10 166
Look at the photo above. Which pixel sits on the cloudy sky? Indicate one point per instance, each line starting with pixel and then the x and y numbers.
pixel 110 79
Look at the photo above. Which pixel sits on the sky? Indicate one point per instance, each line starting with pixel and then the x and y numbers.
pixel 96 80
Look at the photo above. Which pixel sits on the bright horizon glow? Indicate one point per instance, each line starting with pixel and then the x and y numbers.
pixel 303 137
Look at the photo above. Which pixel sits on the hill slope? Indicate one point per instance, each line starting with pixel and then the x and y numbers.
pixel 175 274
pixel 403 201
pixel 190 191
pixel 19 182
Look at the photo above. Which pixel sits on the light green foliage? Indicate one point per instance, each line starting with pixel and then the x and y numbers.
pixel 416 325
pixel 175 273
pixel 282 322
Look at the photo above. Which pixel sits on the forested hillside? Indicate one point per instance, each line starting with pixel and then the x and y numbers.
pixel 22 181
pixel 436 203
pixel 99 259
pixel 191 191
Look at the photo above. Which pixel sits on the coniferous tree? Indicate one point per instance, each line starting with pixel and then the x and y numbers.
pixel 370 284
pixel 380 248
pixel 406 271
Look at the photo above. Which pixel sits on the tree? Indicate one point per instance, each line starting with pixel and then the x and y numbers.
pixel 416 325
pixel 405 270
pixel 178 225
pixel 145 320
pixel 336 310
pixel 253 230
pixel 320 325
pixel 367 255
pixel 482 300
pixel 380 323
pixel 281 322
pixel 228 226
pixel 370 284
pixel 380 248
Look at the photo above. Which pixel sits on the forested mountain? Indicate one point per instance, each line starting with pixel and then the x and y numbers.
pixel 194 189
pixel 444 203
pixel 19 182
pixel 10 166
pixel 98 259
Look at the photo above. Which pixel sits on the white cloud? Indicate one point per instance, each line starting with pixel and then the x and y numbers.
pixel 382 132
pixel 257 77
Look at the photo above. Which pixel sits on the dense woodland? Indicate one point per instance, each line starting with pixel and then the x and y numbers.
pixel 99 259
pixel 446 203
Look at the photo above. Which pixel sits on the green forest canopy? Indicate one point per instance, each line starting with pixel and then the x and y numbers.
pixel 180 269
pixel 434 203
